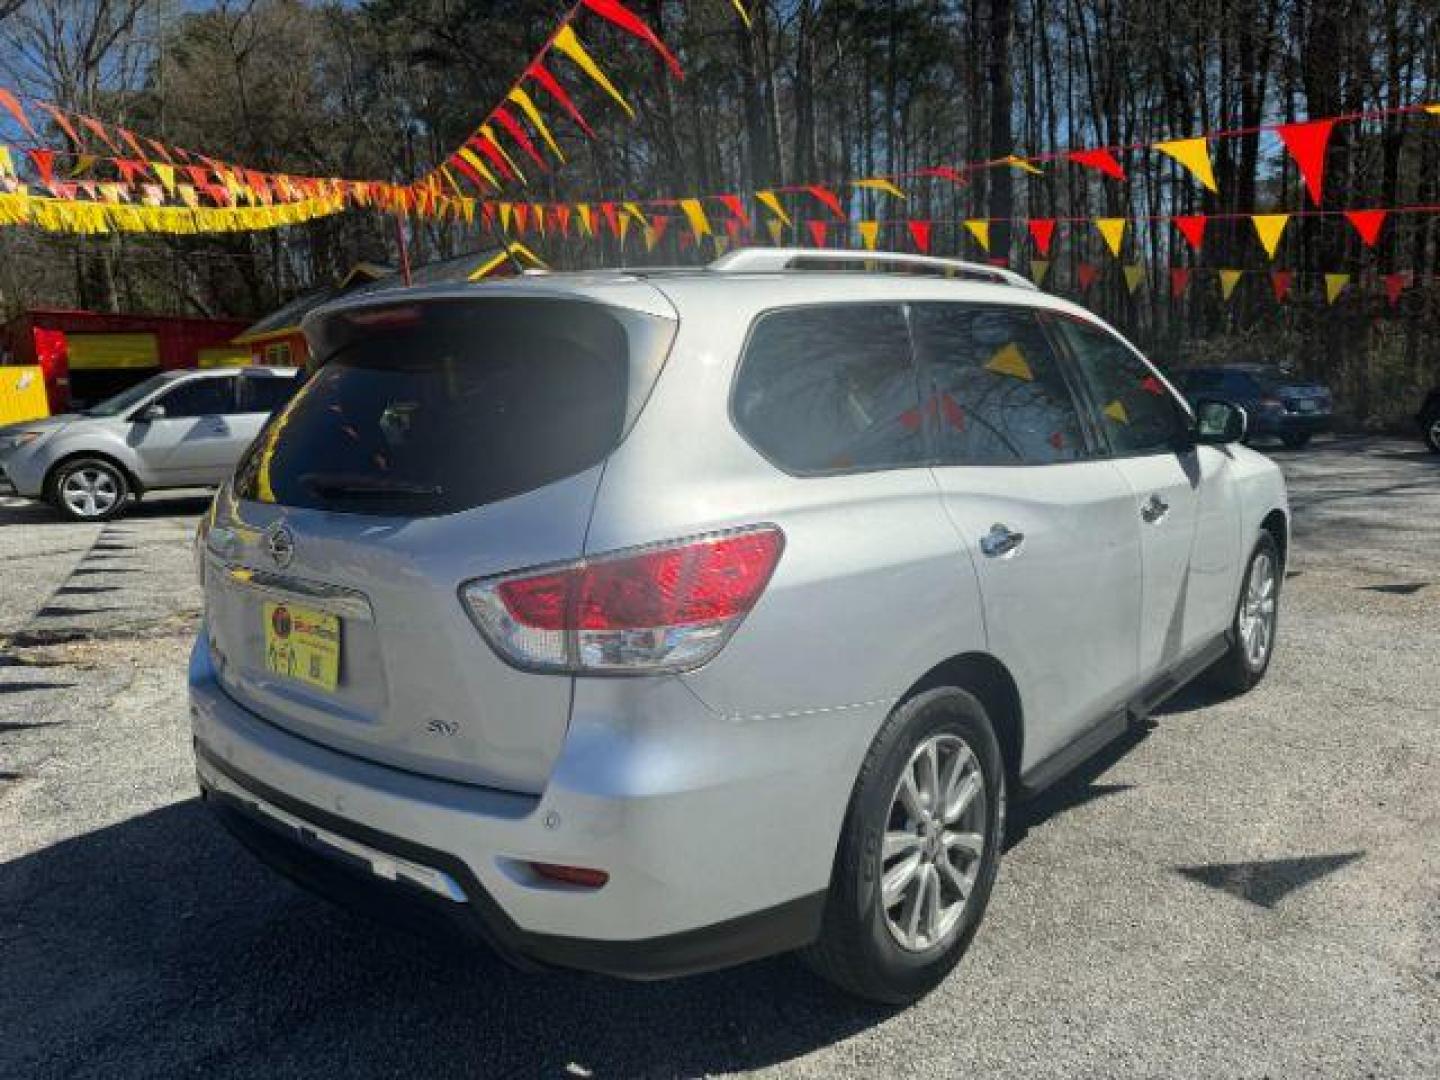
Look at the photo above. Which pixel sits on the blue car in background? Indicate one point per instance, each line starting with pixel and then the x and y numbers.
pixel 1280 405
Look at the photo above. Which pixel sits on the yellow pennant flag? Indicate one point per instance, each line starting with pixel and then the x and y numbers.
pixel 633 209
pixel 1335 284
pixel 739 6
pixel 473 160
pixel 1038 269
pixel 1228 280
pixel 622 227
pixel 650 238
pixel 879 183
pixel 566 41
pixel 166 173
pixel 775 227
pixel 722 244
pixel 1009 360
pixel 1134 276
pixel 188 196
pixel 869 233
pixel 1269 228
pixel 1020 163
pixel 7 163
pixel 695 214
pixel 1194 154
pixel 505 211
pixel 527 106
pixel 1116 411
pixel 537 214
pixel 1113 230
pixel 772 201
pixel 980 230
pixel 489 135
pixel 587 223
pixel 1433 110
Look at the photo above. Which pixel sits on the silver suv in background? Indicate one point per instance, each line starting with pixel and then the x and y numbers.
pixel 177 429
pixel 648 623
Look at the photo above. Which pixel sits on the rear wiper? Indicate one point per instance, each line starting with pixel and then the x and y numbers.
pixel 351 485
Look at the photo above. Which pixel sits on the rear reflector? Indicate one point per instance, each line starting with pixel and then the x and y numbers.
pixel 578 876
pixel 663 608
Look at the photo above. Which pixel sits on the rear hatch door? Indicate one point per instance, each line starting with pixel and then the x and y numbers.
pixel 438 441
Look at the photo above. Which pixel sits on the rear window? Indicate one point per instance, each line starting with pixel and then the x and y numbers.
pixel 434 408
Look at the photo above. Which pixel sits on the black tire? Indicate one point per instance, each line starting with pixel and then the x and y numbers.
pixel 1236 672
pixel 111 482
pixel 1431 428
pixel 1295 442
pixel 857 950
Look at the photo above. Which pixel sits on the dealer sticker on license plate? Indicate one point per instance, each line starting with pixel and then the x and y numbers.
pixel 304 644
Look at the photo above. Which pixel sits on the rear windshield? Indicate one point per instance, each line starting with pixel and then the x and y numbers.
pixel 434 408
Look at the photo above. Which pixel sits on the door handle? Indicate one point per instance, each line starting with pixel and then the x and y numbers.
pixel 1154 509
pixel 1001 541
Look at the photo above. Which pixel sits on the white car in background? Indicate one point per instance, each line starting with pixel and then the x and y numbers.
pixel 178 429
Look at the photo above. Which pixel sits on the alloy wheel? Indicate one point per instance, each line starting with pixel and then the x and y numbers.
pixel 934 842
pixel 1257 611
pixel 90 492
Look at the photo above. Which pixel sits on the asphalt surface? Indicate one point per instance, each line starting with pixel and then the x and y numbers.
pixel 1250 889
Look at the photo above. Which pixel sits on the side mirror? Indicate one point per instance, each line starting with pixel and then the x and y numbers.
pixel 1219 422
pixel 151 413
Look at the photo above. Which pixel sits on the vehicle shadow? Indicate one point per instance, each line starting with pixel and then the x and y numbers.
pixel 1076 788
pixel 156 946
pixel 16 511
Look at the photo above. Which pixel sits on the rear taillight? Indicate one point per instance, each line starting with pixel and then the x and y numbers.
pixel 663 608
pixel 1271 404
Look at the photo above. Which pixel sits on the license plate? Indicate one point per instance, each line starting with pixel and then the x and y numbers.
pixel 1309 405
pixel 302 643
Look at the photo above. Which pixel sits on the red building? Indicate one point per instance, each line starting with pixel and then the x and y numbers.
pixel 86 356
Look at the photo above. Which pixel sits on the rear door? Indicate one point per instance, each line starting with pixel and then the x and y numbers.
pixel 436 443
pixel 1182 499
pixel 1048 523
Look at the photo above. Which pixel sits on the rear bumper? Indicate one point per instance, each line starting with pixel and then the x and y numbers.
pixel 698 877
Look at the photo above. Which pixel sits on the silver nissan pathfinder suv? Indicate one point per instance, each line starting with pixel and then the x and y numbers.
pixel 651 622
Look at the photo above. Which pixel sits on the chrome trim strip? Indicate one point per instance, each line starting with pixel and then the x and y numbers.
pixel 332 598
pixel 382 864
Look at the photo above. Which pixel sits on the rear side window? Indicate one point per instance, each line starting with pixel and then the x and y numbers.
pixel 264 393
pixel 831 389
pixel 1135 410
pixel 999 396
pixel 441 407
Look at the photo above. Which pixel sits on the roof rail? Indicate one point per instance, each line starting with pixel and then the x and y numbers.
pixel 759 260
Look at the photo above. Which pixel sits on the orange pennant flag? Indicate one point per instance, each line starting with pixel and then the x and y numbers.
pixel 1194 154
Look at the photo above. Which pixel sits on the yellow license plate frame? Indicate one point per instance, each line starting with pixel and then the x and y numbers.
pixel 302 644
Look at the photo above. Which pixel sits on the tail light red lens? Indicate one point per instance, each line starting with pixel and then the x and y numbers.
pixel 663 608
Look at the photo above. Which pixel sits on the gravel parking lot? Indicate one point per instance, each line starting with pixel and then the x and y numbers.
pixel 1249 888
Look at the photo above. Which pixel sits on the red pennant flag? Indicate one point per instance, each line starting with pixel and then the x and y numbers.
pixel 1179 281
pixel 1042 231
pixel 736 206
pixel 817 232
pixel 1307 143
pixel 687 239
pixel 1192 227
pixel 659 223
pixel 12 105
pixel 1395 284
pixel 1280 281
pixel 556 91
pixel 829 198
pixel 920 234
pixel 44 164
pixel 1088 274
pixel 612 218
pixel 491 151
pixel 63 123
pixel 1367 223
pixel 511 125
pixel 521 218
pixel 161 149
pixel 733 226
pixel 944 172
pixel 132 142
pixel 628 21
pixel 464 168
pixel 1100 160
pixel 562 218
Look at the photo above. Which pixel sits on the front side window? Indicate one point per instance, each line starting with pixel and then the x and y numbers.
pixel 264 393
pixel 1135 410
pixel 831 389
pixel 200 397
pixel 998 394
